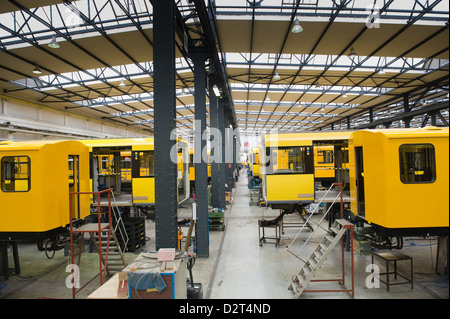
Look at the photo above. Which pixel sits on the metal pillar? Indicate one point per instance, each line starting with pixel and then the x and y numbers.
pixel 215 144
pixel 371 118
pixel 406 108
pixel 201 169
pixel 165 113
pixel 222 165
pixel 234 158
pixel 433 118
pixel 229 155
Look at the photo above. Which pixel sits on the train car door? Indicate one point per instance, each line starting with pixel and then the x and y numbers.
pixel 74 185
pixel 143 177
pixel 359 171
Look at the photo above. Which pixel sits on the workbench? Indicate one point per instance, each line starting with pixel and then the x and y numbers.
pixel 147 262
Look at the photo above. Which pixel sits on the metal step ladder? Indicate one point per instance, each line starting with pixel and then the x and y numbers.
pixel 301 281
pixel 112 254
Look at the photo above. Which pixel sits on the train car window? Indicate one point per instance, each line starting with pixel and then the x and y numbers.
pixel 293 160
pixel 71 171
pixel 191 160
pixel 417 163
pixel 325 157
pixel 143 164
pixel 125 162
pixel 345 156
pixel 15 174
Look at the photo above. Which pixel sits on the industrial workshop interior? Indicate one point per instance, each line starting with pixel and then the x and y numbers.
pixel 253 154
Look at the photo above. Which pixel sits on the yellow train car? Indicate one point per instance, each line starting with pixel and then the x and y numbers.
pixel 399 180
pixel 325 167
pixel 288 173
pixel 130 169
pixel 255 162
pixel 36 178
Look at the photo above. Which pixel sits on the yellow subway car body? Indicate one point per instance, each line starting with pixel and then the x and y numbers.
pixel 288 167
pixel 131 161
pixel 36 178
pixel 399 180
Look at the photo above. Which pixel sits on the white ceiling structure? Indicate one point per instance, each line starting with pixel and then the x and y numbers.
pixel 278 79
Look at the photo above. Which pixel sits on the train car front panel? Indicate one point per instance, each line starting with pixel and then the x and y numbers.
pixel 286 188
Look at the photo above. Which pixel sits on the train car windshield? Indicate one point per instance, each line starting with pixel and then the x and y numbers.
pixel 291 160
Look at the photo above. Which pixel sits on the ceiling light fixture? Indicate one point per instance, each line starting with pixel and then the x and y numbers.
pixel 37 70
pixel 216 90
pixel 277 76
pixel 53 43
pixel 297 27
pixel 122 84
pixel 381 72
pixel 344 94
pixel 352 53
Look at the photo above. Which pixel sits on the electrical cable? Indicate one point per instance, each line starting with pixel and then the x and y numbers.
pixel 437 281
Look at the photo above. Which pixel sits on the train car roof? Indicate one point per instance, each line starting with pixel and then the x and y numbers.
pixel 307 138
pixel 409 132
pixel 32 145
pixel 118 142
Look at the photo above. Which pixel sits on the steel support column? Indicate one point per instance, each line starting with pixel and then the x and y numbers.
pixel 406 120
pixel 166 204
pixel 215 142
pixel 371 118
pixel 222 165
pixel 229 155
pixel 201 169
pixel 234 138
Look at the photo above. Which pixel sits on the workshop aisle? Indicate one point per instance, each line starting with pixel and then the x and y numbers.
pixel 246 270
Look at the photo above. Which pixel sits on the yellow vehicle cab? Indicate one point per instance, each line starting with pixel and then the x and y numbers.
pixel 127 166
pixel 288 165
pixel 36 178
pixel 399 180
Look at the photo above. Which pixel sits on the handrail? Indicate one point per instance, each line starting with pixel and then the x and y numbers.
pixel 102 272
pixel 119 220
pixel 324 215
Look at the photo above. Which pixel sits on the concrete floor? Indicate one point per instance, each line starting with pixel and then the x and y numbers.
pixel 238 268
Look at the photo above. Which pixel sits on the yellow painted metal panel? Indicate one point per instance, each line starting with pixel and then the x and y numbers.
pixel 256 170
pixel 290 187
pixel 144 190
